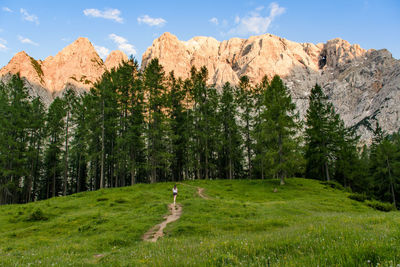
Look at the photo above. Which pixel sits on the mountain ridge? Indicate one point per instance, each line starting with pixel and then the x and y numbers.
pixel 363 85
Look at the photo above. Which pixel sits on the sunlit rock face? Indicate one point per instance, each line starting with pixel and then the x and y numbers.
pixel 77 66
pixel 363 85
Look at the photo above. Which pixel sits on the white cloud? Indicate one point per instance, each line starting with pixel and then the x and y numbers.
pixel 26 40
pixel 112 14
pixel 29 17
pixel 255 23
pixel 7 9
pixel 146 19
pixel 123 44
pixel 3 46
pixel 102 51
pixel 214 21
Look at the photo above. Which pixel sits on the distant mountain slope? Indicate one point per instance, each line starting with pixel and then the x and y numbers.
pixel 242 223
pixel 77 66
pixel 363 85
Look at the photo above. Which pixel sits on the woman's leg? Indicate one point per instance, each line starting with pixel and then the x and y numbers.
pixel 174 199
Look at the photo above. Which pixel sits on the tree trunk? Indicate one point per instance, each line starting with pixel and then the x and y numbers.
pixel 327 171
pixel 391 182
pixel 54 183
pixel 66 157
pixel 280 153
pixel 78 180
pixel 102 149
pixel 248 148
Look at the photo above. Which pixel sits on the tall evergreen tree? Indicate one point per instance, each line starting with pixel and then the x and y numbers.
pixel 79 146
pixel 37 134
pixel 321 136
pixel 245 100
pixel 231 155
pixel 158 154
pixel 178 116
pixel 55 127
pixel 259 146
pixel 69 99
pixel 15 131
pixel 385 168
pixel 279 127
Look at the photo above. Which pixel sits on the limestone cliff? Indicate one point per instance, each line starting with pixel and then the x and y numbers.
pixel 77 66
pixel 364 86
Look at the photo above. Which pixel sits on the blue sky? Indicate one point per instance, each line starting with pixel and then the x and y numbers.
pixel 42 28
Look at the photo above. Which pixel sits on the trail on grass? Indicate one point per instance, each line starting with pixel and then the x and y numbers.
pixel 200 191
pixel 158 230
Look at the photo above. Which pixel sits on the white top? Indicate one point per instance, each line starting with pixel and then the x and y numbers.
pixel 175 190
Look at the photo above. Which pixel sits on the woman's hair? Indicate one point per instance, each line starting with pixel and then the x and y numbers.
pixel 174 186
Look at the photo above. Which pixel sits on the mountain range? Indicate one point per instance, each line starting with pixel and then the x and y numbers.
pixel 363 85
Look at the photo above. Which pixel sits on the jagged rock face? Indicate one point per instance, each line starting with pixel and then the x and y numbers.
pixel 364 86
pixel 114 59
pixel 77 66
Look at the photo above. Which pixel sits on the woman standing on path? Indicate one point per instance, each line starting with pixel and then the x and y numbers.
pixel 175 193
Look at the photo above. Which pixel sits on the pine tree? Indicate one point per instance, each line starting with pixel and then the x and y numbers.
pixel 259 146
pixel 322 136
pixel 279 127
pixel 385 167
pixel 205 122
pixel 69 99
pixel 15 130
pixel 231 156
pixel 178 116
pixel 157 131
pixel 245 100
pixel 36 139
pixel 79 147
pixel 55 127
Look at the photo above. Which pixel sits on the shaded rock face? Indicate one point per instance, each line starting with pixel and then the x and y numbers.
pixel 77 66
pixel 364 86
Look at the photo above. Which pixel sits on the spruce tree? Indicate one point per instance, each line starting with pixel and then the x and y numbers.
pixel 157 131
pixel 178 116
pixel 245 100
pixel 55 127
pixel 231 155
pixel 385 168
pixel 279 128
pixel 322 136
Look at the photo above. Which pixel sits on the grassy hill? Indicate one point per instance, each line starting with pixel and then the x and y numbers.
pixel 304 223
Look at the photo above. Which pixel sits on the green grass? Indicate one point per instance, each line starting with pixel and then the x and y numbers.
pixel 244 223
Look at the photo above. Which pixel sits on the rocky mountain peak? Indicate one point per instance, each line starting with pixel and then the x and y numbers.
pixel 363 85
pixel 114 59
pixel 77 66
pixel 26 66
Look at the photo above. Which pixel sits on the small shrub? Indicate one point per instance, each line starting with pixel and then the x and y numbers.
pixel 120 200
pixel 382 206
pixel 333 184
pixel 102 199
pixel 36 215
pixel 358 197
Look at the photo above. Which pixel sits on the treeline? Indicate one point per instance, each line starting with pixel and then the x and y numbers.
pixel 145 127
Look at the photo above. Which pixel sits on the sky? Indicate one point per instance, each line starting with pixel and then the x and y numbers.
pixel 42 28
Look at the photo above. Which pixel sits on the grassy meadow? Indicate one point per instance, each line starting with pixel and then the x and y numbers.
pixel 244 223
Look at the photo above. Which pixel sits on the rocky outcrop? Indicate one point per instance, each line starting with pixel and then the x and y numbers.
pixel 77 66
pixel 364 86
pixel 114 59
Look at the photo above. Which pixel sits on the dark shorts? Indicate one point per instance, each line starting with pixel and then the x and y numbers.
pixel 174 194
